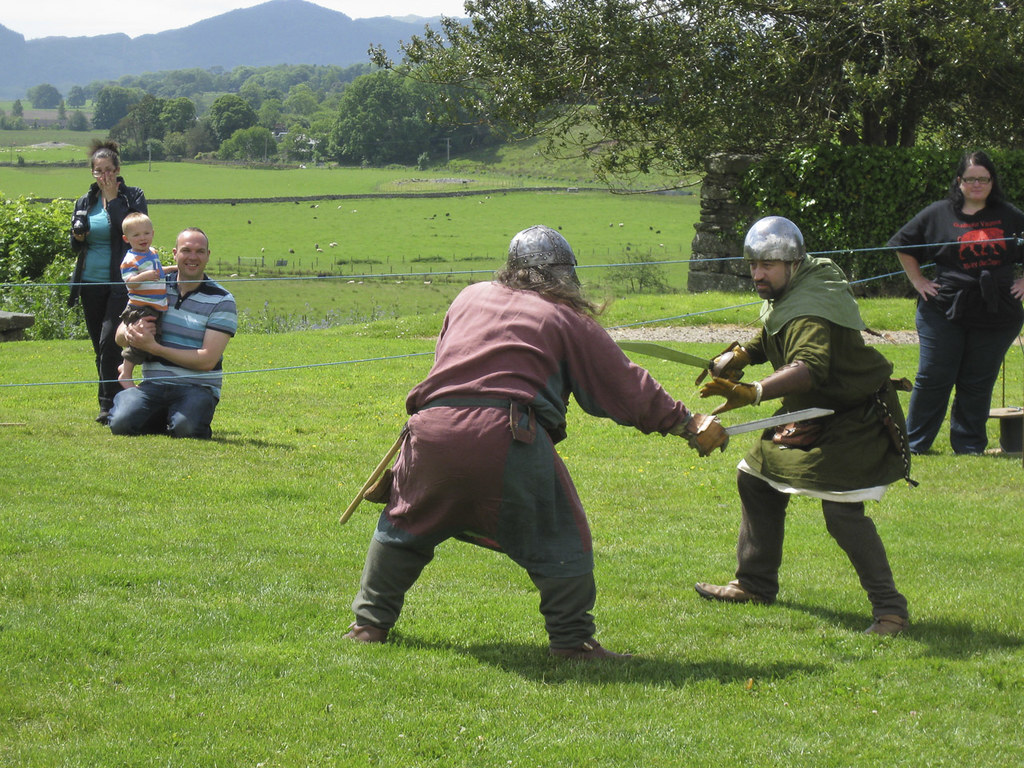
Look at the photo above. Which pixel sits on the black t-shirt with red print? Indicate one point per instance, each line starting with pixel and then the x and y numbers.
pixel 964 242
pixel 971 252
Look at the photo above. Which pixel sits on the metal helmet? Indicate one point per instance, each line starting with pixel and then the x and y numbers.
pixel 539 246
pixel 774 238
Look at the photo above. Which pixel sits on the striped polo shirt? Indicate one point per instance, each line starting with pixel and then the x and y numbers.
pixel 184 325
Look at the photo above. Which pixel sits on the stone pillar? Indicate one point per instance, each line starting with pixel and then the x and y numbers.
pixel 717 248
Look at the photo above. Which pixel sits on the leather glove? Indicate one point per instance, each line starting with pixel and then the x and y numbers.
pixel 728 364
pixel 736 394
pixel 703 433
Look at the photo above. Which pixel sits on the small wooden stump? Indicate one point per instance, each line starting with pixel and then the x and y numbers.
pixel 1011 428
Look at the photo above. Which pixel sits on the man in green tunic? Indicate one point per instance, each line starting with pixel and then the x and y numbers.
pixel 811 335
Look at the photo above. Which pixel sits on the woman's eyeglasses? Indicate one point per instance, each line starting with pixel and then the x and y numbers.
pixel 977 180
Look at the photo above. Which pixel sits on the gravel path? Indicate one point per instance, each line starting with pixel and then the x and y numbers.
pixel 724 334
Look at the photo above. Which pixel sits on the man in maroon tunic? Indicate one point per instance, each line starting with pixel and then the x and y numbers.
pixel 479 460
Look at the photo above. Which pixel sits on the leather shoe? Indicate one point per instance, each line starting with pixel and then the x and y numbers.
pixel 888 624
pixel 366 633
pixel 729 593
pixel 588 650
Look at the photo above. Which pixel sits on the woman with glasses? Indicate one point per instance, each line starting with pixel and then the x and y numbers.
pixel 969 309
pixel 96 238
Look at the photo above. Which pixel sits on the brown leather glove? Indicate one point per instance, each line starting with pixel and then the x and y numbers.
pixel 736 394
pixel 728 364
pixel 703 433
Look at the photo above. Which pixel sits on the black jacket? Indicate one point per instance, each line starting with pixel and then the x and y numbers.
pixel 128 200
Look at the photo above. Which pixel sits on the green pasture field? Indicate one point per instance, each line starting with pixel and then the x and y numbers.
pixel 45 145
pixel 192 181
pixel 390 253
pixel 428 247
pixel 172 602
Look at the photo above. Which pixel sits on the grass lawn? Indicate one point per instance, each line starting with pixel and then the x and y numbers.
pixel 182 603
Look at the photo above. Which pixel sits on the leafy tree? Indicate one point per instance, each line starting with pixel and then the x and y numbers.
pixel 230 113
pixel 44 96
pixel 255 143
pixel 78 121
pixel 253 91
pixel 178 114
pixel 382 121
pixel 200 138
pixel 141 124
pixel 187 83
pixel 17 110
pixel 76 96
pixel 175 145
pixel 270 113
pixel 112 104
pixel 658 84
pixel 301 100
pixel 318 128
pixel 297 146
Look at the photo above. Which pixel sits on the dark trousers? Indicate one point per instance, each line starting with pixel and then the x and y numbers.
pixel 954 356
pixel 102 305
pixel 391 570
pixel 759 550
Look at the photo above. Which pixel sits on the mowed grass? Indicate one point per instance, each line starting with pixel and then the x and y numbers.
pixel 183 602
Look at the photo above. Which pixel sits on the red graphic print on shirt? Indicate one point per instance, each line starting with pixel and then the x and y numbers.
pixel 982 247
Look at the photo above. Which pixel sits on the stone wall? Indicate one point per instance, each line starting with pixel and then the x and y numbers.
pixel 717 249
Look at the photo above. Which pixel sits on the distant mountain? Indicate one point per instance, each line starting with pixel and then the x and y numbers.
pixel 276 32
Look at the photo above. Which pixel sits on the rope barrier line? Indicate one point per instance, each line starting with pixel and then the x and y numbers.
pixel 387 358
pixel 383 275
pixel 212 374
pixel 419 354
pixel 377 275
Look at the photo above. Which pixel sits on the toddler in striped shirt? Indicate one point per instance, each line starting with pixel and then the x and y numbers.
pixel 146 280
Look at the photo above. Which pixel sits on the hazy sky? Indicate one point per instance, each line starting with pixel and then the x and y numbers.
pixel 86 18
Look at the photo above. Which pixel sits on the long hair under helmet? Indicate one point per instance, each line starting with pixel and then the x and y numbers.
pixel 541 260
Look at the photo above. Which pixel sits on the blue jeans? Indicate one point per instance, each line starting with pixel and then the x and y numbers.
pixel 954 355
pixel 155 407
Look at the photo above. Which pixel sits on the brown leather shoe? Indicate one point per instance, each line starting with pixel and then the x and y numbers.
pixel 366 633
pixel 729 593
pixel 589 650
pixel 888 624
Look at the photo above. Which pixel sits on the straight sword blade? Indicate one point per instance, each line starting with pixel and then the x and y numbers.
pixel 665 353
pixel 778 420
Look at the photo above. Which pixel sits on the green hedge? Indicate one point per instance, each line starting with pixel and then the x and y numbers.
pixel 853 199
pixel 36 264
